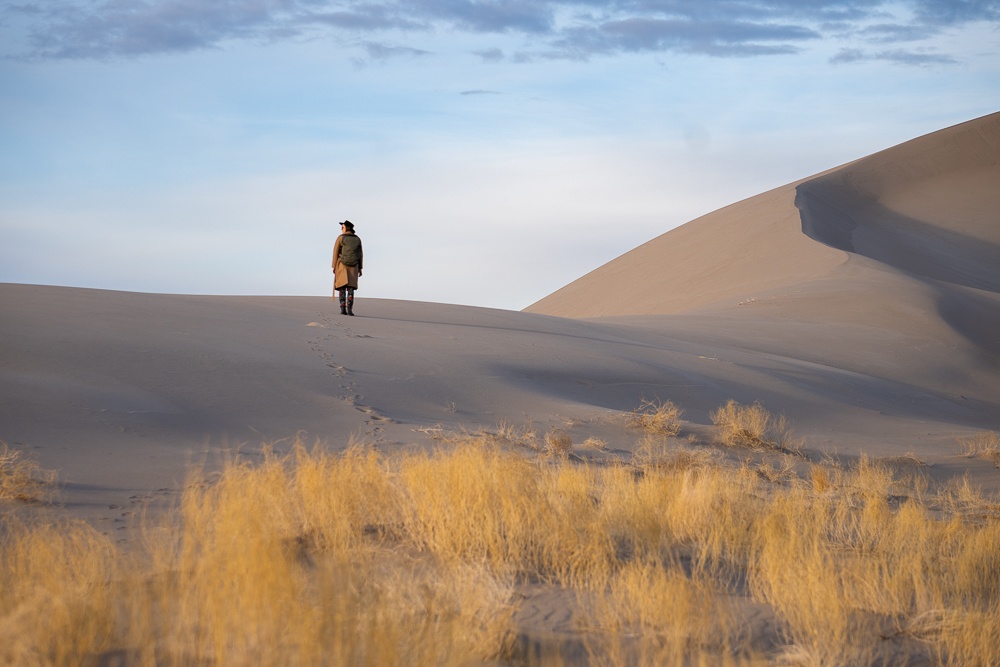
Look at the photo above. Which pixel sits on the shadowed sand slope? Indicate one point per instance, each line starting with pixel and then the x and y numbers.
pixel 912 222
pixel 929 207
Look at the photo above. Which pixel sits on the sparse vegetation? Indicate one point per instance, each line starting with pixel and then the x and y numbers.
pixel 22 479
pixel 364 558
pixel 507 433
pixel 985 445
pixel 558 443
pixel 656 417
pixel 753 426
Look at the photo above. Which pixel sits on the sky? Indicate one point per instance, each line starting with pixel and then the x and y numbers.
pixel 488 151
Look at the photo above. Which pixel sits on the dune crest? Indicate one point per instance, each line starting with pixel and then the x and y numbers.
pixel 925 210
pixel 929 207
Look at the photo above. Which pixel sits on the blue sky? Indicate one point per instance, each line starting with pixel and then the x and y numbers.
pixel 488 151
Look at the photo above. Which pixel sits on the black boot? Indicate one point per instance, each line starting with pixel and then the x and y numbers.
pixel 350 305
pixel 343 303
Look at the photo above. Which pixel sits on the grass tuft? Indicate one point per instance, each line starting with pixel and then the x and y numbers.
pixel 985 445
pixel 656 417
pixel 558 443
pixel 23 479
pixel 752 426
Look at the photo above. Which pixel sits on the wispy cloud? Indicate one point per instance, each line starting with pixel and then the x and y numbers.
pixel 133 27
pixel 891 32
pixel 493 55
pixel 362 18
pixel 898 57
pixel 381 52
pixel 524 16
pixel 957 11
pixel 710 37
pixel 566 29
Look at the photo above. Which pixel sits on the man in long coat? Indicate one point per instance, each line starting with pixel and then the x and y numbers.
pixel 348 260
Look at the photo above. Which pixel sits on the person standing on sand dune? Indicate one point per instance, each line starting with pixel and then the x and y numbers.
pixel 348 259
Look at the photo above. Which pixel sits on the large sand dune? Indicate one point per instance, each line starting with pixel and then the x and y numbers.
pixel 929 209
pixel 861 303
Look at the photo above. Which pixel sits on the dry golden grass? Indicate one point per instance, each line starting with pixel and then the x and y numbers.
pixel 366 559
pixel 656 614
pixel 23 479
pixel 753 426
pixel 55 592
pixel 596 443
pixel 656 417
pixel 558 443
pixel 655 452
pixel 985 445
pixel 295 560
pixel 507 433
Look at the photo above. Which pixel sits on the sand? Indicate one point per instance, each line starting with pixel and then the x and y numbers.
pixel 862 303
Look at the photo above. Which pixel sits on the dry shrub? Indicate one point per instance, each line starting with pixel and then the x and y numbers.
pixel 558 443
pixel 656 417
pixel 985 445
pixel 871 478
pixel 654 452
pixel 596 443
pixel 961 498
pixel 23 479
pixel 909 459
pixel 752 426
pixel 508 433
pixel 821 477
pixel 777 473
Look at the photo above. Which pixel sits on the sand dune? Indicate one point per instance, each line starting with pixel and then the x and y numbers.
pixel 887 268
pixel 928 208
pixel 862 303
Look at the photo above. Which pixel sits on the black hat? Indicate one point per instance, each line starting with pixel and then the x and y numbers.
pixel 348 224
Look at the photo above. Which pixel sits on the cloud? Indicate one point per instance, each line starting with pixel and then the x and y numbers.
pixel 898 57
pixel 382 52
pixel 708 37
pixel 134 27
pixel 480 92
pixel 363 18
pixel 948 12
pixel 524 16
pixel 711 37
pixel 493 55
pixel 564 29
pixel 889 32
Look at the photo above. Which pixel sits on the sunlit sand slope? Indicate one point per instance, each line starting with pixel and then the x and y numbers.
pixel 914 221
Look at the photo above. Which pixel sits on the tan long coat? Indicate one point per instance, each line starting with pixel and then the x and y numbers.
pixel 343 275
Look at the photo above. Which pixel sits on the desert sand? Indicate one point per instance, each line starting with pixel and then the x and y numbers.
pixel 862 303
